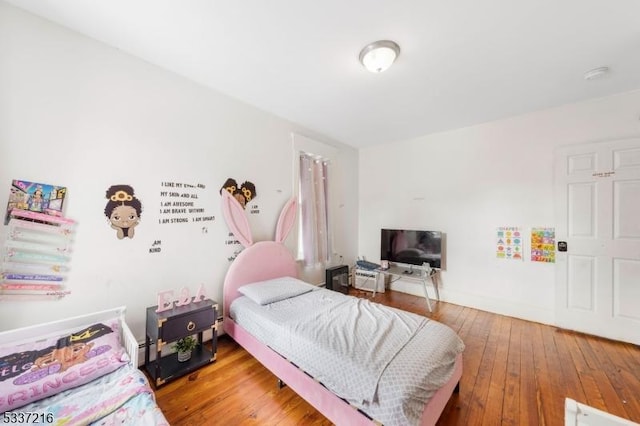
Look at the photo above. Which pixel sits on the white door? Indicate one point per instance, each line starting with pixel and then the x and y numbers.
pixel 598 216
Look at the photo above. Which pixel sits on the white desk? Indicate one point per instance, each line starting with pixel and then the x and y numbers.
pixel 417 273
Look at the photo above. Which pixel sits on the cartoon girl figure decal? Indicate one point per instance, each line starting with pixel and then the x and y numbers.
pixel 36 202
pixel 66 357
pixel 244 193
pixel 123 210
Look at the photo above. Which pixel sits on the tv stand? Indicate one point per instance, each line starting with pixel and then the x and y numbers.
pixel 419 274
pixel 408 271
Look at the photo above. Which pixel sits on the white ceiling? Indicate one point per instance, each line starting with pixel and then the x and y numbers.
pixel 462 62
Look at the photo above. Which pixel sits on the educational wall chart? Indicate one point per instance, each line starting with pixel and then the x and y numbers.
pixel 509 243
pixel 543 243
pixel 123 210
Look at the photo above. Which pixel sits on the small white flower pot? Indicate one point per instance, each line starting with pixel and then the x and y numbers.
pixel 184 356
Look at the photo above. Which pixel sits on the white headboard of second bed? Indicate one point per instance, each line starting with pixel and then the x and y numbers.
pixel 53 328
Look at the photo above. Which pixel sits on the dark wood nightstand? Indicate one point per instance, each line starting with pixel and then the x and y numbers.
pixel 171 325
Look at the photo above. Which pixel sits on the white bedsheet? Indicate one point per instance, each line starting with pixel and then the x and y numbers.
pixel 354 347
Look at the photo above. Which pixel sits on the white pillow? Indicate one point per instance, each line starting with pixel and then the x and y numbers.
pixel 270 291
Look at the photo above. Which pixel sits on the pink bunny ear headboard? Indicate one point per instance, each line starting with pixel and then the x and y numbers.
pixel 259 261
pixel 236 220
pixel 286 220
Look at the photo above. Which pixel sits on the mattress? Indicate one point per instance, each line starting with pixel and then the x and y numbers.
pixel 394 359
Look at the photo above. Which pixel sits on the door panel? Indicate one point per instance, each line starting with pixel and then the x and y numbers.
pixel 581 163
pixel 581 283
pixel 598 214
pixel 625 222
pixel 626 273
pixel 626 159
pixel 582 210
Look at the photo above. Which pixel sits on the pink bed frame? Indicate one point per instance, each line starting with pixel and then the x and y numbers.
pixel 271 259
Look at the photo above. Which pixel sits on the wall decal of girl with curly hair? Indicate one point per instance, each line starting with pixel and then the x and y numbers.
pixel 243 193
pixel 123 210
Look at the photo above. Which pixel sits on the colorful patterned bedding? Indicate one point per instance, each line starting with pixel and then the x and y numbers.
pixel 121 397
pixel 75 371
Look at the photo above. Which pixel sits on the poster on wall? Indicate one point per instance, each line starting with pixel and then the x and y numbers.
pixel 35 197
pixel 509 243
pixel 543 243
pixel 123 210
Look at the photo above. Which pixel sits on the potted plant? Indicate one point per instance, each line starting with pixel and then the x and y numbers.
pixel 184 347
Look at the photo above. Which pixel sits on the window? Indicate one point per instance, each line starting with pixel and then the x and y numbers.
pixel 313 165
pixel 313 238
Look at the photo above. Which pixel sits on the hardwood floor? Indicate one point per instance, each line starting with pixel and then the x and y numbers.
pixel 515 373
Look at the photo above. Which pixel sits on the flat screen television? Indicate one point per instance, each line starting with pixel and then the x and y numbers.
pixel 411 247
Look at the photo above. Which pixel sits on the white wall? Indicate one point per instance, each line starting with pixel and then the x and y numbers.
pixel 469 181
pixel 76 113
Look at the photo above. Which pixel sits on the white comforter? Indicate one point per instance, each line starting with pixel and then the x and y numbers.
pixel 355 348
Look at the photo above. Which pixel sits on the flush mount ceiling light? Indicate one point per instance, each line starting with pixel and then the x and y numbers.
pixel 379 55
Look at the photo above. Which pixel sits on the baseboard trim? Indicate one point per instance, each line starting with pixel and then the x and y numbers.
pixel 483 303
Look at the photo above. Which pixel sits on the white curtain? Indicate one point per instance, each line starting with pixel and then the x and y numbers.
pixel 314 218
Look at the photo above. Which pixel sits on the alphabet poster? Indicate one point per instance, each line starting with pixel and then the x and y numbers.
pixel 543 244
pixel 509 243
